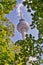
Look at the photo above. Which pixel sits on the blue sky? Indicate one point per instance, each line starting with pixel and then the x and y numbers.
pixel 14 18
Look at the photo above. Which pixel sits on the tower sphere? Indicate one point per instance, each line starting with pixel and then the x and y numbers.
pixel 22 26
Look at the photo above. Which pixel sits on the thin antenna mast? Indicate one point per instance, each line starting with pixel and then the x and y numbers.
pixel 21 15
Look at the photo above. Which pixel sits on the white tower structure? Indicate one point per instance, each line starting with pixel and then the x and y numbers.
pixel 22 26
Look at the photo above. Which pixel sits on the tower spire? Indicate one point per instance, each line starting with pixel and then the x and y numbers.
pixel 21 15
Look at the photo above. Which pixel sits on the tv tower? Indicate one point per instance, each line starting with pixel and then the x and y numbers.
pixel 22 26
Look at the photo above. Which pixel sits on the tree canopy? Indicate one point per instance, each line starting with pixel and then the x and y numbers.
pixel 6 6
pixel 6 31
pixel 18 53
pixel 37 16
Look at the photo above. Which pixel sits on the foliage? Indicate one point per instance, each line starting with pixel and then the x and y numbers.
pixel 6 31
pixel 7 48
pixel 30 47
pixel 6 55
pixel 6 6
pixel 37 16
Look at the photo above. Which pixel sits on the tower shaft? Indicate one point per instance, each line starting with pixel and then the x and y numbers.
pixel 23 35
